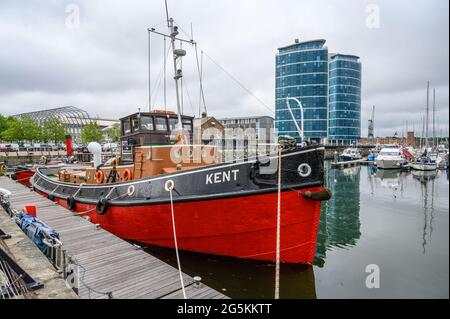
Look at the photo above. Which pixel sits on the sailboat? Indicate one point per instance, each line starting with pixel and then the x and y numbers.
pixel 224 208
pixel 425 162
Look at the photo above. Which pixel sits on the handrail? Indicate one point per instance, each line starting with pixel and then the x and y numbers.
pixel 300 132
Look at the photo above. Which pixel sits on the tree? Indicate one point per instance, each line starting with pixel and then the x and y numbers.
pixel 31 129
pixel 22 129
pixel 3 124
pixel 91 133
pixel 114 133
pixel 13 130
pixel 52 130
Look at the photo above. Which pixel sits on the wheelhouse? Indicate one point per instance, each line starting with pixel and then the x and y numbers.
pixel 151 128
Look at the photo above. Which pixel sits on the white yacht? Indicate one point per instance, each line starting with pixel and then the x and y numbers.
pixel 390 157
pixel 350 154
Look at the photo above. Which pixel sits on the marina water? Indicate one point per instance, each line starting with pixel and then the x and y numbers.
pixel 397 222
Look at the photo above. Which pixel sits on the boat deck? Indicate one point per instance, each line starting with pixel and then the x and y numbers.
pixel 107 263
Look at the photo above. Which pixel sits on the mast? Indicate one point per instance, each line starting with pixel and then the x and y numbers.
pixel 177 53
pixel 434 117
pixel 422 133
pixel 427 115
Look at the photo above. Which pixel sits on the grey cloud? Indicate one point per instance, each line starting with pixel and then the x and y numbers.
pixel 102 66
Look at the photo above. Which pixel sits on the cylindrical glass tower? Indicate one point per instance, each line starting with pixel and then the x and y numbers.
pixel 302 72
pixel 344 127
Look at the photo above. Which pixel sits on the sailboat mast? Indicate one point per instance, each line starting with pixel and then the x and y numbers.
pixel 434 117
pixel 427 115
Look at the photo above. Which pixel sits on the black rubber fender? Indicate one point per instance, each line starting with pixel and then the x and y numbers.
pixel 322 195
pixel 71 202
pixel 102 206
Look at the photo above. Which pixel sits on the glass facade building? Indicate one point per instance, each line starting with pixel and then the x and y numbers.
pixel 302 72
pixel 344 125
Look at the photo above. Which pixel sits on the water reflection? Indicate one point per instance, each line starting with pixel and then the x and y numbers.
pixel 239 278
pixel 427 182
pixel 339 221
pixel 382 216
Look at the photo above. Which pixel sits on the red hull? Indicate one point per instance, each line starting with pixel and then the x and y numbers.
pixel 242 227
pixel 23 177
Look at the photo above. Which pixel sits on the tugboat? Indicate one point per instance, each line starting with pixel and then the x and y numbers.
pixel 225 208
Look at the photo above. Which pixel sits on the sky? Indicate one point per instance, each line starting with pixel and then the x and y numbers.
pixel 94 55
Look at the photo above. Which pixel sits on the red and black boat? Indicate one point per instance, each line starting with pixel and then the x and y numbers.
pixel 221 207
pixel 226 209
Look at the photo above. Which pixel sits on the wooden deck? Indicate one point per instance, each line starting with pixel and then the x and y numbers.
pixel 107 263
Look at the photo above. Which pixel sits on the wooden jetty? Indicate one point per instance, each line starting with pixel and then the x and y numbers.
pixel 109 266
pixel 343 164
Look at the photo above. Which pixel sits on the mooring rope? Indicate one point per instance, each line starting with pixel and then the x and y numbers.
pixel 277 262
pixel 169 187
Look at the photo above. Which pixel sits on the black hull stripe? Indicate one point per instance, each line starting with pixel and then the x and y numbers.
pixel 192 198
pixel 168 176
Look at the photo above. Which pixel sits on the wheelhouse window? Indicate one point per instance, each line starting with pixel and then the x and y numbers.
pixel 173 124
pixel 187 125
pixel 147 123
pixel 134 124
pixel 126 126
pixel 160 124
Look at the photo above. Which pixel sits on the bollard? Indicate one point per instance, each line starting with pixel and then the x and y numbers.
pixel 197 281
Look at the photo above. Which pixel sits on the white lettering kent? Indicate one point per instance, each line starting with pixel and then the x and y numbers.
pixel 221 177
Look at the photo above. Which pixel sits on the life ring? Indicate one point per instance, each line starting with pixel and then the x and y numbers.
pixel 126 175
pixel 99 176
pixel 102 206
pixel 71 202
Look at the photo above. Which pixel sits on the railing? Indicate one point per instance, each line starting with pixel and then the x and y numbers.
pixel 56 253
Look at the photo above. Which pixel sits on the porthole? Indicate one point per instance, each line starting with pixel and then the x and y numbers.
pixel 304 170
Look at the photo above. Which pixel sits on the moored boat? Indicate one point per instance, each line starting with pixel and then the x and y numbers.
pixel 390 157
pixel 225 209
pixel 222 207
pixel 350 154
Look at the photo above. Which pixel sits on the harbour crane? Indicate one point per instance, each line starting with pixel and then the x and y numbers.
pixel 370 136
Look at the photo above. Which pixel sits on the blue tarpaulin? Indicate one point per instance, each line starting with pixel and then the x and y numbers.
pixel 36 230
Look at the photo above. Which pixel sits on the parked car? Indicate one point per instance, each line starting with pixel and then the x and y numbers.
pixel 45 147
pixel 82 149
pixel 109 147
pixel 6 148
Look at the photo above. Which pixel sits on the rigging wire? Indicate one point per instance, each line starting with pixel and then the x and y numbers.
pixel 165 76
pixel 149 73
pixel 159 80
pixel 190 101
pixel 149 65
pixel 277 263
pixel 239 83
pixel 181 81
pixel 217 64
